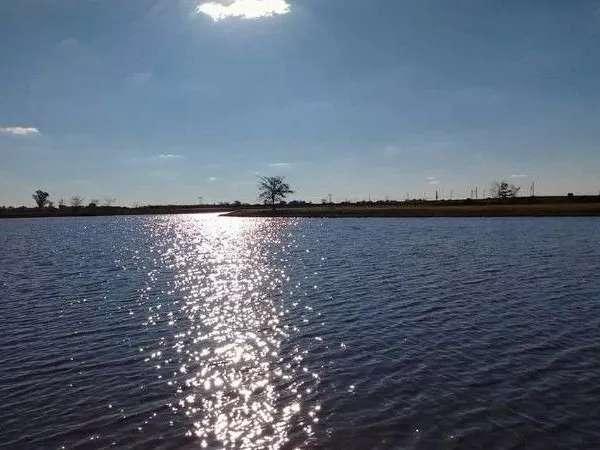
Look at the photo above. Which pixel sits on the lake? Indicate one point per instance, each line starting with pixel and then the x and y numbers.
pixel 200 331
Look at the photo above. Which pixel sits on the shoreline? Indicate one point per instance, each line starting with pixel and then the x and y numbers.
pixel 31 213
pixel 495 210
pixel 520 207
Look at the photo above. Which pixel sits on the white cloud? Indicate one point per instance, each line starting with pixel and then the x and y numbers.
pixel 212 179
pixel 139 78
pixel 281 165
pixel 245 9
pixel 169 156
pixel 518 175
pixel 19 131
pixel 68 44
pixel 391 150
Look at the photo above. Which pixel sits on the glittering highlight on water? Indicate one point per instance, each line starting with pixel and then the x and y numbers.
pixel 231 382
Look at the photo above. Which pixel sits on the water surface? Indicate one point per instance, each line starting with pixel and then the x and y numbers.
pixel 205 331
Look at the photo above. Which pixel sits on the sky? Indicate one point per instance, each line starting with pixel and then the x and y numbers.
pixel 166 101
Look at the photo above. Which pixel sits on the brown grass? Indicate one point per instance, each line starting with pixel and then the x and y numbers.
pixel 491 210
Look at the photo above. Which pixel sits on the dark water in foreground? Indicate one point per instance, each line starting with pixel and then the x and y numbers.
pixel 192 331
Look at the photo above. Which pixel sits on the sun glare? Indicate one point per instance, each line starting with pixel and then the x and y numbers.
pixel 244 9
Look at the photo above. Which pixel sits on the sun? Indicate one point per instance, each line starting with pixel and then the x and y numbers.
pixel 244 9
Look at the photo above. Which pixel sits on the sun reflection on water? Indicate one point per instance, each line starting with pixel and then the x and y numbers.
pixel 231 382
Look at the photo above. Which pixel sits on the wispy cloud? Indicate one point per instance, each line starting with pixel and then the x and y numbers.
pixel 19 131
pixel 518 175
pixel 212 179
pixel 281 165
pixel 139 78
pixel 433 181
pixel 244 9
pixel 390 151
pixel 68 44
pixel 170 156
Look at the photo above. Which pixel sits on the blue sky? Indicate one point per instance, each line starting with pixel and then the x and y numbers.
pixel 163 101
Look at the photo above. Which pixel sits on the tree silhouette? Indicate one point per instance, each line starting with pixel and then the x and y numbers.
pixel 273 189
pixel 41 198
pixel 76 201
pixel 501 189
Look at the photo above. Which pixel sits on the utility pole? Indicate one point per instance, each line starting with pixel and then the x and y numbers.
pixel 476 197
pixel 329 195
pixel 532 189
pixel 437 196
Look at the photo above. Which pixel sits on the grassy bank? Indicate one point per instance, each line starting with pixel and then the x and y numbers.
pixel 525 206
pixel 11 213
pixel 424 210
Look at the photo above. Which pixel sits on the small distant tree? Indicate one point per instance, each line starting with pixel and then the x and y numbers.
pixel 272 190
pixel 76 201
pixel 93 203
pixel 503 190
pixel 41 198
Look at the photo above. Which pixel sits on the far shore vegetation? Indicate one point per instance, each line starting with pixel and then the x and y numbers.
pixel 502 199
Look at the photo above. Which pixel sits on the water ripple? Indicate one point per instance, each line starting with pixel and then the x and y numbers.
pixel 177 332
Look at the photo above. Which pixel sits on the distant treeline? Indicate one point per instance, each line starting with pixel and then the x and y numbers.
pixel 94 210
pixel 67 211
pixel 470 201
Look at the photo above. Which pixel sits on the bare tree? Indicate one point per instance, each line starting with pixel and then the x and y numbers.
pixel 41 198
pixel 503 190
pixel 76 201
pixel 273 189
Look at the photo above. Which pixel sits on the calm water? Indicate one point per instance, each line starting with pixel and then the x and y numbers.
pixel 203 331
